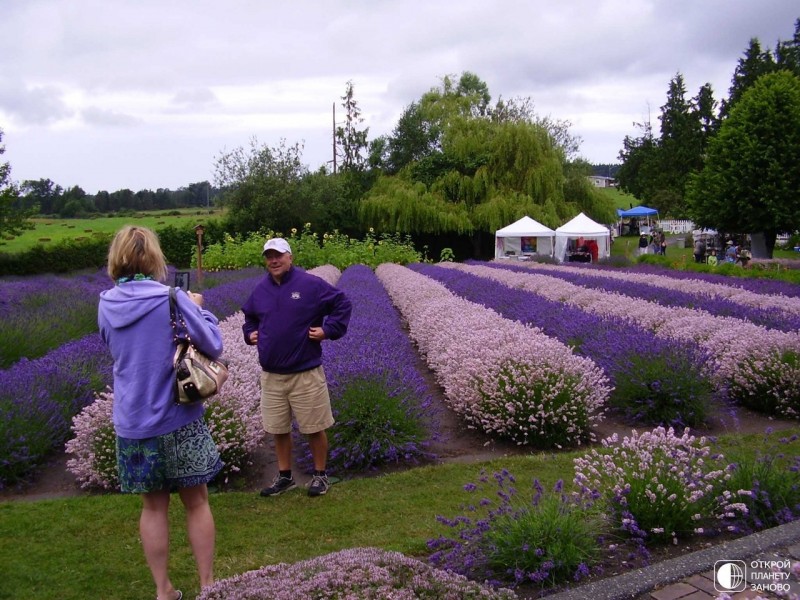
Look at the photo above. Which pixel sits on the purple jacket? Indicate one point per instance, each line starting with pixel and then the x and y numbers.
pixel 135 324
pixel 282 315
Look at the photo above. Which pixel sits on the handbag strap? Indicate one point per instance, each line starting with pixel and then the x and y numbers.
pixel 176 318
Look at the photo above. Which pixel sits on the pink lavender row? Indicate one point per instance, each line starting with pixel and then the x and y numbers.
pixel 757 367
pixel 655 380
pixel 773 311
pixel 504 378
pixel 758 285
pixel 352 573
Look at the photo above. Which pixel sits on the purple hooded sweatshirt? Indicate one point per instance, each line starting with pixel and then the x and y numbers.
pixel 134 322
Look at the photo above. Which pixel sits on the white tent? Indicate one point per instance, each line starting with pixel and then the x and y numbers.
pixel 582 227
pixel 523 238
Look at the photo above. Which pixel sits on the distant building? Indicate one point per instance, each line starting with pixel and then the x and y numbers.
pixel 602 182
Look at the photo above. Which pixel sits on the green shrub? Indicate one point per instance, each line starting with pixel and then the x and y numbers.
pixel 549 538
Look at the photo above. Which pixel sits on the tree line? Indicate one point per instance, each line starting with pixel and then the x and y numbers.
pixel 459 164
pixel 731 164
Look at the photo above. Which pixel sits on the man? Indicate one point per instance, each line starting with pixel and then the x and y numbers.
pixel 699 251
pixel 287 316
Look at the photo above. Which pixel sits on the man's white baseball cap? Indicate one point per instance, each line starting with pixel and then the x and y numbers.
pixel 277 244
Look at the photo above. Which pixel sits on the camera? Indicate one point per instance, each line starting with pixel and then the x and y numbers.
pixel 182 280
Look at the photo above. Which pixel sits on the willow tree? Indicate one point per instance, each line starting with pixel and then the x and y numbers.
pixel 481 173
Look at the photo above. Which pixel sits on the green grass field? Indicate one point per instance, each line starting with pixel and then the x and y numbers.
pixel 51 231
pixel 88 546
pixel 620 199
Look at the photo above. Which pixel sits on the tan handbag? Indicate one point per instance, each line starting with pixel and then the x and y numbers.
pixel 197 376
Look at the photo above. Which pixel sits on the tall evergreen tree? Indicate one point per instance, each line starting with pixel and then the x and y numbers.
pixel 680 149
pixel 638 172
pixel 787 54
pixel 351 142
pixel 755 63
pixel 705 110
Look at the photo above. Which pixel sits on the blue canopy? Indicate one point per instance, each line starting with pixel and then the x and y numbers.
pixel 637 211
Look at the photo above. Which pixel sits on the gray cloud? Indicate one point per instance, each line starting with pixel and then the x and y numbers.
pixel 213 74
pixel 93 115
pixel 36 105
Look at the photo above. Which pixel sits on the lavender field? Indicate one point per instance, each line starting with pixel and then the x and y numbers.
pixel 537 355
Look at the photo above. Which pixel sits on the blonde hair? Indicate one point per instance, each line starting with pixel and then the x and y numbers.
pixel 136 250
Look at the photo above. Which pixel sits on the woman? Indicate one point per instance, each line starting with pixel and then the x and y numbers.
pixel 161 446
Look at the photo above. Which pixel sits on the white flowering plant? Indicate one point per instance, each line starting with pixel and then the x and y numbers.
pixel 658 486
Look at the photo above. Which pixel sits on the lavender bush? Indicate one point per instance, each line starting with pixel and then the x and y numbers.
pixel 39 397
pixel 363 573
pixel 93 447
pixel 749 361
pixel 773 311
pixel 758 285
pixel 768 484
pixel 502 377
pixel 38 314
pixel 657 485
pixel 656 381
pixel 381 403
pixel 547 539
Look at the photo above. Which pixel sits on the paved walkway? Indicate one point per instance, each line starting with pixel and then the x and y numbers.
pixel 767 557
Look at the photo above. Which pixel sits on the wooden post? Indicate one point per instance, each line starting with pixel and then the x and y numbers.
pixel 199 229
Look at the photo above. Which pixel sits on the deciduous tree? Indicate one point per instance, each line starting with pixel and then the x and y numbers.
pixel 13 218
pixel 751 179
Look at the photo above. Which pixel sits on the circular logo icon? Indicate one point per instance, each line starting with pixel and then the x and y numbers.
pixel 730 576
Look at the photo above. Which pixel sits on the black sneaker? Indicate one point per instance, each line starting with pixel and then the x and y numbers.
pixel 279 485
pixel 319 485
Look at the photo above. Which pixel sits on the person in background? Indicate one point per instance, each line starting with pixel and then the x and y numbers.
pixel 161 446
pixel 712 258
pixel 730 252
pixel 642 244
pixel 663 244
pixel 699 250
pixel 287 316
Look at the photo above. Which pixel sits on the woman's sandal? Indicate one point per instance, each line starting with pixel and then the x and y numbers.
pixel 178 597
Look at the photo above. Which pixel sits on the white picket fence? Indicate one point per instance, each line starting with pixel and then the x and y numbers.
pixel 676 226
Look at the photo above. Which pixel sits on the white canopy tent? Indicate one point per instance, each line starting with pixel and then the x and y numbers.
pixel 582 227
pixel 525 237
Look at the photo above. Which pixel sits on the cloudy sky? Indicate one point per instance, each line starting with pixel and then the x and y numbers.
pixel 112 94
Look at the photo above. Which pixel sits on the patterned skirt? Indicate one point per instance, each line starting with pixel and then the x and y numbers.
pixel 182 458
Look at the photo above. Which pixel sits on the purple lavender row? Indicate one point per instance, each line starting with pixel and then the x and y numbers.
pixel 774 312
pixel 757 285
pixel 757 367
pixel 656 380
pixel 38 314
pixel 374 378
pixel 39 398
pixel 502 377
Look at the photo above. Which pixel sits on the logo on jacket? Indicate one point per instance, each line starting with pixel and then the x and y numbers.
pixel 295 295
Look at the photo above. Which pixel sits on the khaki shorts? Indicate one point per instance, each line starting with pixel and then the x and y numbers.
pixel 304 395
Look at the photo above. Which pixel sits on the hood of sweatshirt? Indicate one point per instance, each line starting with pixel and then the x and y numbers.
pixel 125 304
